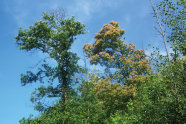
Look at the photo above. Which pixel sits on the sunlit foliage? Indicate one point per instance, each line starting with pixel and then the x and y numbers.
pixel 122 61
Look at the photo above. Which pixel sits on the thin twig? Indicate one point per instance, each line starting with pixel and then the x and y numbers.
pixel 39 62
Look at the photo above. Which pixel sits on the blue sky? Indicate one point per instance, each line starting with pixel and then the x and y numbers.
pixel 135 16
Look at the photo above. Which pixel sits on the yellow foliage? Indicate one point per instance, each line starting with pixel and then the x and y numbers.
pixel 110 50
pixel 114 94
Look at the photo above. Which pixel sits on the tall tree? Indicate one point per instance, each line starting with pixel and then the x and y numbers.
pixel 54 36
pixel 170 15
pixel 124 66
pixel 122 61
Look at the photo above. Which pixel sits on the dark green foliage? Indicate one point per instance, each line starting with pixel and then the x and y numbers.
pixel 52 36
pixel 79 109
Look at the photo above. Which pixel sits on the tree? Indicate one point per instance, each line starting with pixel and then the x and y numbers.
pixel 113 96
pixel 170 15
pixel 52 36
pixel 80 108
pixel 161 31
pixel 122 61
pixel 125 68
pixel 161 99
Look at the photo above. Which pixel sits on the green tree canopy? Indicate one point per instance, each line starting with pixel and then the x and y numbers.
pixel 53 36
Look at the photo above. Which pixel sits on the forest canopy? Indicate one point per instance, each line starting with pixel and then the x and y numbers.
pixel 133 88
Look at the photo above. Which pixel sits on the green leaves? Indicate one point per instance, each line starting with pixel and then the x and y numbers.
pixel 35 37
pixel 48 35
pixel 161 98
pixel 45 71
pixel 172 16
pixel 53 36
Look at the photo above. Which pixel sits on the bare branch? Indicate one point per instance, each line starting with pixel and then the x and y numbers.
pixel 161 29
pixel 59 13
